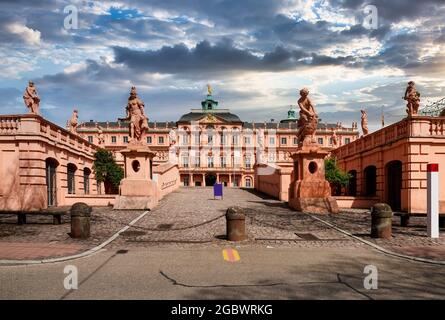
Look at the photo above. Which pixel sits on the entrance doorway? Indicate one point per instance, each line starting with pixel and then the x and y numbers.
pixel 210 180
pixel 370 181
pixel 51 187
pixel 394 183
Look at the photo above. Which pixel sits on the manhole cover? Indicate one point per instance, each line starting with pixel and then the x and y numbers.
pixel 307 236
pixel 165 226
pixel 133 233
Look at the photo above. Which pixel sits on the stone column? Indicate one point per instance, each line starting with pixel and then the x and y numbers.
pixel 191 183
pixel 217 177
pixel 230 179
pixel 204 180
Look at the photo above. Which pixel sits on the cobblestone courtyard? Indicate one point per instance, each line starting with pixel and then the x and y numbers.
pixel 192 217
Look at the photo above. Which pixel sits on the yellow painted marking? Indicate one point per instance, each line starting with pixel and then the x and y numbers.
pixel 231 255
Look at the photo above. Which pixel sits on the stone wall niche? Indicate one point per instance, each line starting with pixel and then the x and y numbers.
pixel 310 191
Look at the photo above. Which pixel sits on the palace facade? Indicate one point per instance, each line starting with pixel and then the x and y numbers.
pixel 211 144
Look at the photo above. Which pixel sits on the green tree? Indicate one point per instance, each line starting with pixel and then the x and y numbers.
pixel 107 171
pixel 336 177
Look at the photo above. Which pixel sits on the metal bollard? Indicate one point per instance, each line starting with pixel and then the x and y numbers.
pixel 381 221
pixel 80 220
pixel 236 224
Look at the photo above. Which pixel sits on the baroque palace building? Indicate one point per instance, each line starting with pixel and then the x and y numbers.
pixel 43 164
pixel 211 144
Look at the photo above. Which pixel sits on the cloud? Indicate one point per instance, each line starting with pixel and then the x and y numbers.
pixel 221 57
pixel 28 35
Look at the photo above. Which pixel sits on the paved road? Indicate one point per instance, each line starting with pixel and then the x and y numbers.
pixel 202 273
pixel 143 264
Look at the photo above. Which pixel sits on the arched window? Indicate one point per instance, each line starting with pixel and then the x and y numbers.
pixel 51 186
pixel 71 172
pixel 86 180
pixel 370 180
pixel 352 185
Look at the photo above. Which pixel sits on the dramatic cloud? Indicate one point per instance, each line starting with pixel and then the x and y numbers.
pixel 256 53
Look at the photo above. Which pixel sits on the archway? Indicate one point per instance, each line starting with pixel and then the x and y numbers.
pixel 86 180
pixel 51 186
pixel 352 185
pixel 210 180
pixel 370 180
pixel 394 184
pixel 71 173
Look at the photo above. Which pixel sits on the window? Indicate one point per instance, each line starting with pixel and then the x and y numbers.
pixel 248 183
pixel 161 140
pixel 283 140
pixel 186 181
pixel 197 162
pixel 320 140
pixel 71 171
pixel 235 139
pixel 246 140
pixel 149 140
pixel 223 139
pixel 248 163
pixel 185 161
pixel 347 140
pixel 86 180
pixel 295 140
pixel 125 139
pixel 210 162
pixel 113 139
pixel 90 139
pixel 197 138
pixel 185 139
pixel 223 162
pixel 331 141
pixel 209 139
pixel 271 140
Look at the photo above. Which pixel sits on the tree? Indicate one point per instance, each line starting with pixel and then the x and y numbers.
pixel 336 177
pixel 107 171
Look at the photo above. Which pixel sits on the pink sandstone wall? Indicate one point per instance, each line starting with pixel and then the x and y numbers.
pixel 275 184
pixel 415 142
pixel 96 200
pixel 26 142
pixel 167 177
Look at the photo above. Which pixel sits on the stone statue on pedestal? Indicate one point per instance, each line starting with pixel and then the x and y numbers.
pixel 136 115
pixel 32 100
pixel 364 122
pixel 308 120
pixel 73 122
pixel 100 137
pixel 334 138
pixel 412 96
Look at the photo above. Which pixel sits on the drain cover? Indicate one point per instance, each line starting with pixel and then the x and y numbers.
pixel 307 236
pixel 165 226
pixel 133 233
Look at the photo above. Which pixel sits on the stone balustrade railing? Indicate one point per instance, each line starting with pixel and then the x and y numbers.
pixel 9 124
pixel 415 127
pixel 31 125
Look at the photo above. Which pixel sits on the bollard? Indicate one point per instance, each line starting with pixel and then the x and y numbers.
pixel 80 220
pixel 381 221
pixel 236 224
pixel 432 194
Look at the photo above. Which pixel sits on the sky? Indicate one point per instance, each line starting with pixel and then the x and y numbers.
pixel 256 54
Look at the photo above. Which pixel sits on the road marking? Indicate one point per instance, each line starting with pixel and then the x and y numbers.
pixel 231 255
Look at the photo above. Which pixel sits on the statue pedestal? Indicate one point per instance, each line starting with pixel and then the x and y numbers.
pixel 137 190
pixel 309 190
